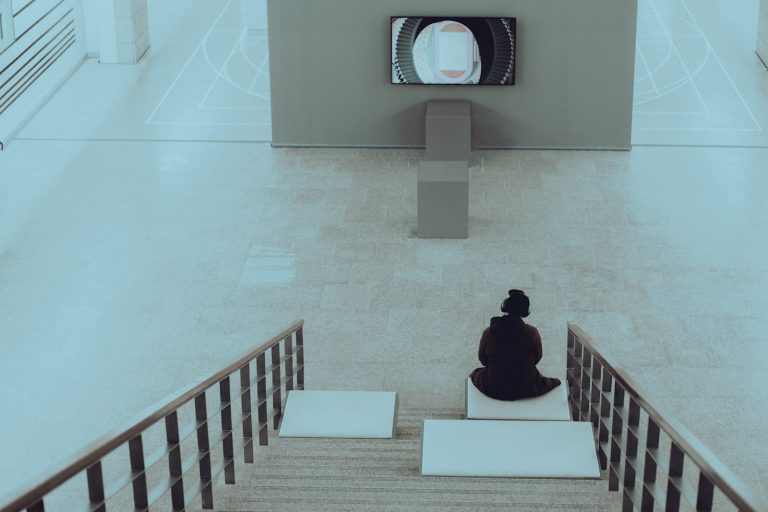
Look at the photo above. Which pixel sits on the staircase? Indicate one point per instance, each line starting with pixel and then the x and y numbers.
pixel 380 475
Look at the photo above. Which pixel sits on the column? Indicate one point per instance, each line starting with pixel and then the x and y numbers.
pixel 762 32
pixel 121 28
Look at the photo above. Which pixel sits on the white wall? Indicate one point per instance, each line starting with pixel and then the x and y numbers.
pixel 330 75
pixel 49 44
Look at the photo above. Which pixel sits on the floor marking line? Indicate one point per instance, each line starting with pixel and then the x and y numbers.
pixel 189 61
pixel 727 75
pixel 680 57
pixel 219 71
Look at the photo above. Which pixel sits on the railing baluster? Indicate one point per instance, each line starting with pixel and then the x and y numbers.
pixel 96 487
pixel 245 402
pixel 174 461
pixel 204 450
pixel 277 402
pixel 136 450
pixel 585 384
pixel 604 435
pixel 261 397
pixel 288 349
pixel 37 507
pixel 300 358
pixel 650 466
pixel 676 459
pixel 704 494
pixel 617 429
pixel 630 459
pixel 226 430
pixel 594 397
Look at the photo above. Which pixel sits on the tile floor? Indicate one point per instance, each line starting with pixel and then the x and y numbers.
pixel 146 243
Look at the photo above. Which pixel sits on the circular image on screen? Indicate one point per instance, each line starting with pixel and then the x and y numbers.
pixel 446 52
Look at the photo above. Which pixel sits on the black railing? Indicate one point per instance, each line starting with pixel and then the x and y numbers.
pixel 212 455
pixel 624 421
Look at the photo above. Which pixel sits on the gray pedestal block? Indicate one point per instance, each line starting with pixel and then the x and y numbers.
pixel 448 130
pixel 443 199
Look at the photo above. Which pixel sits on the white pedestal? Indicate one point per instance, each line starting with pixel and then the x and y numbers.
pixel 525 449
pixel 552 406
pixel 345 414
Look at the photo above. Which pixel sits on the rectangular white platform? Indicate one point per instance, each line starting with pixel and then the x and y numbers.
pixel 551 406
pixel 525 449
pixel 344 414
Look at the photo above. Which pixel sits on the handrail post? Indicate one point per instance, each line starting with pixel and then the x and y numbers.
pixel 704 494
pixel 630 457
pixel 277 402
pixel 96 487
pixel 245 402
pixel 174 461
pixel 261 397
pixel 617 428
pixel 204 449
pixel 38 506
pixel 136 449
pixel 288 350
pixel 226 430
pixel 676 459
pixel 300 357
pixel 650 466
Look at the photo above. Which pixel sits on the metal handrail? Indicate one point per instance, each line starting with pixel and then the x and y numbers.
pixel 592 388
pixel 31 496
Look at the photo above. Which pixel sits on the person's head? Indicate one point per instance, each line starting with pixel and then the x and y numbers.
pixel 517 304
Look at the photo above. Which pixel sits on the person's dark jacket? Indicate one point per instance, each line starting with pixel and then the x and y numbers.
pixel 509 351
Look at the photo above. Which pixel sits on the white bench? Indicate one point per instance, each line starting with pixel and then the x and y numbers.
pixel 339 414
pixel 525 449
pixel 551 406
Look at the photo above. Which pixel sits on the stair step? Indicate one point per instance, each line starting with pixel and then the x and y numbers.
pixel 540 497
pixel 475 485
pixel 383 475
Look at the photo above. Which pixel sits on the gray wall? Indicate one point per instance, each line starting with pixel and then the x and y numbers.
pixel 330 75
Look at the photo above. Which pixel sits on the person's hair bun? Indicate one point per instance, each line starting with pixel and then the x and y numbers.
pixel 517 304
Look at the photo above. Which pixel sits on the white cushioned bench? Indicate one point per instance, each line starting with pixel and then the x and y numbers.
pixel 342 414
pixel 493 448
pixel 552 406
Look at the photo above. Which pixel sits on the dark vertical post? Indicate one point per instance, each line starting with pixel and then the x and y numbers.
pixel 96 488
pixel 594 398
pixel 136 450
pixel 586 382
pixel 226 430
pixel 261 397
pixel 300 358
pixel 676 459
pixel 245 402
pixel 38 506
pixel 288 350
pixel 204 451
pixel 174 461
pixel 633 421
pixel 617 428
pixel 650 467
pixel 605 414
pixel 277 401
pixel 704 493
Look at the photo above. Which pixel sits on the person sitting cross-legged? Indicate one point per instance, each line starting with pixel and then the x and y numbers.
pixel 509 351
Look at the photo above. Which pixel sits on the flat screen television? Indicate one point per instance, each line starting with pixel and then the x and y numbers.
pixel 453 50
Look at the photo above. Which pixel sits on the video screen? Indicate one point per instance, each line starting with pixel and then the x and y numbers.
pixel 453 51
